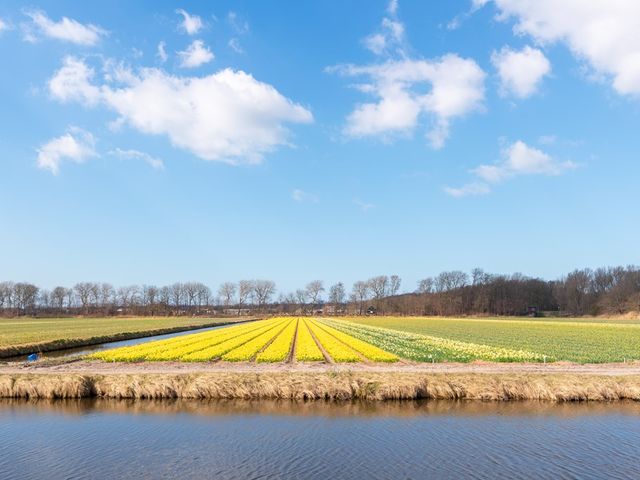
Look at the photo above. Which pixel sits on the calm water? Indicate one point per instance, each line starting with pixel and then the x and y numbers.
pixel 244 440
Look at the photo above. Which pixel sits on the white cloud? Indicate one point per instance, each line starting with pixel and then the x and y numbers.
pixel 76 145
pixel 301 196
pixel 405 90
pixel 521 159
pixel 547 139
pixel 162 52
pixel 377 43
pixel 517 159
pixel 390 39
pixel 442 89
pixel 520 71
pixel 3 25
pixel 228 116
pixel 67 29
pixel 234 44
pixel 195 55
pixel 73 83
pixel 239 26
pixel 191 24
pixel 364 206
pixel 154 162
pixel 392 8
pixel 474 188
pixel 604 34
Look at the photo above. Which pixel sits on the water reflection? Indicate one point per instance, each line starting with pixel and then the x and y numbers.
pixel 282 439
pixel 416 408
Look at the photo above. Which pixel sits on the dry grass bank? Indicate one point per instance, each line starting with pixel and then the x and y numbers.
pixel 325 386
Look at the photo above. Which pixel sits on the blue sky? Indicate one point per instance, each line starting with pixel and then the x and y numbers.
pixel 165 141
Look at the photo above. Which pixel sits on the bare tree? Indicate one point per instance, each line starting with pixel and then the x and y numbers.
pixel 313 290
pixel 263 290
pixel 378 286
pixel 176 292
pixel 337 294
pixel 203 295
pixel 107 295
pixel 83 293
pixel 149 295
pixel 245 290
pixel 425 285
pixel 129 296
pixel 58 296
pixel 24 296
pixel 394 284
pixel 191 293
pixel 360 293
pixel 227 292
pixel 6 294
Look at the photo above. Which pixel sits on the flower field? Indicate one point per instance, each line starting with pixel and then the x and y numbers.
pixel 287 339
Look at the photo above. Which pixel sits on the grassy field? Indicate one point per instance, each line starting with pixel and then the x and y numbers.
pixel 567 339
pixel 16 334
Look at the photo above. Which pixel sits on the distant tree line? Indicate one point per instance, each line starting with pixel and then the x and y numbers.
pixel 607 290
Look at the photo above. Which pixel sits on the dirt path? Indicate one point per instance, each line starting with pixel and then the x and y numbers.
pixel 97 367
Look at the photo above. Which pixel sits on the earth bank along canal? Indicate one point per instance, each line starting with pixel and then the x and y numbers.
pixel 281 439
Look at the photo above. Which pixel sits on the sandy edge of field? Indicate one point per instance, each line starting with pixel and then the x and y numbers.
pixel 104 368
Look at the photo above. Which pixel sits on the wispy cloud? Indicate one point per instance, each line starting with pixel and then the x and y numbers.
pixel 408 92
pixel 191 24
pixel 474 188
pixel 66 29
pixel 195 55
pixel 154 162
pixel 76 145
pixel 518 159
pixel 162 54
pixel 364 206
pixel 301 196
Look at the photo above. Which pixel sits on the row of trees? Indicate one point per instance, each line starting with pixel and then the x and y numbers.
pixel 604 290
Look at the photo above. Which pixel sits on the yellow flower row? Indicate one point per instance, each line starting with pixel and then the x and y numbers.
pixel 159 350
pixel 334 347
pixel 216 351
pixel 369 351
pixel 306 348
pixel 179 351
pixel 247 351
pixel 279 349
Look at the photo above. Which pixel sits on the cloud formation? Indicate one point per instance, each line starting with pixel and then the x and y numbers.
pixel 603 34
pixel 191 24
pixel 517 159
pixel 76 145
pixel 441 89
pixel 301 196
pixel 66 29
pixel 228 116
pixel 195 55
pixel 154 162
pixel 406 90
pixel 162 52
pixel 520 71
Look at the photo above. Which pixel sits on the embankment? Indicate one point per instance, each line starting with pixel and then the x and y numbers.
pixel 328 385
